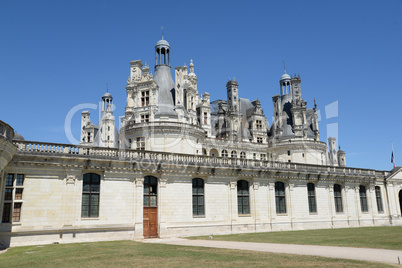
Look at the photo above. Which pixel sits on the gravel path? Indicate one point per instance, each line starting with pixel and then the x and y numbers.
pixel 363 254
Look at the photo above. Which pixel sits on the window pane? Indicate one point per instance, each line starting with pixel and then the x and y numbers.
pixel 17 212
pixel 153 201
pixel 146 200
pixel 20 180
pixel 86 187
pixel 95 188
pixel 201 210
pixel 85 211
pixel 146 189
pixel 6 212
pixel 94 211
pixel 200 200
pixel 85 199
pixel 10 180
pixel 18 194
pixel 94 199
pixel 8 194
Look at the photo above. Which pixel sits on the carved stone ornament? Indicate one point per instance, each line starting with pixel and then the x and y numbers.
pixel 139 182
pixel 291 186
pixel 162 183
pixel 256 185
pixel 233 185
pixel 70 179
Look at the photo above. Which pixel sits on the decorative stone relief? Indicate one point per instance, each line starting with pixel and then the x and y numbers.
pixel 139 182
pixel 291 186
pixel 271 186
pixel 70 179
pixel 233 185
pixel 162 183
pixel 256 185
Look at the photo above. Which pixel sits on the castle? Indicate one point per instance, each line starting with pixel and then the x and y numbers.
pixel 183 165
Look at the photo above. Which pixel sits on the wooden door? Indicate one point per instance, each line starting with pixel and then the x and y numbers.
pixel 150 222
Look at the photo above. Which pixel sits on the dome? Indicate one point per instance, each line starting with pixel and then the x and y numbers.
pixel 107 95
pixel 18 137
pixel 162 42
pixel 285 76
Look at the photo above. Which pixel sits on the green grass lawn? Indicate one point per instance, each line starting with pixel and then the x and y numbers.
pixel 137 254
pixel 389 237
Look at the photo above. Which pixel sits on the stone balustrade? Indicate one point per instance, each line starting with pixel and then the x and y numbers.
pixel 40 148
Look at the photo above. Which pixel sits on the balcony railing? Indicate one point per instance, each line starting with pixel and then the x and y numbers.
pixel 57 149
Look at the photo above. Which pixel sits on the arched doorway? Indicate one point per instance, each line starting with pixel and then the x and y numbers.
pixel 400 200
pixel 150 216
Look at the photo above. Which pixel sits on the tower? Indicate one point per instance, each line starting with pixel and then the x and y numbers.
pixel 164 80
pixel 108 132
pixel 232 87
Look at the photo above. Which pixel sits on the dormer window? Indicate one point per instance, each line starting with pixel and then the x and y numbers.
pixel 145 98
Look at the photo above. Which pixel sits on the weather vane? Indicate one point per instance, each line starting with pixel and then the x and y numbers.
pixel 107 87
pixel 162 28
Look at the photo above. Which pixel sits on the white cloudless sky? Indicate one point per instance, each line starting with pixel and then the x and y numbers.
pixel 55 55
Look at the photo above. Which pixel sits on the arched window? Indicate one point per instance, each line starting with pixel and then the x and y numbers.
pixel 150 191
pixel 280 199
pixel 312 206
pixel 90 195
pixel 378 199
pixel 198 197
pixel 338 198
pixel 243 205
pixel 233 154
pixel 242 155
pixel 363 198
pixel 224 153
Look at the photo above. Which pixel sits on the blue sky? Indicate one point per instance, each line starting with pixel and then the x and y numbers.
pixel 55 55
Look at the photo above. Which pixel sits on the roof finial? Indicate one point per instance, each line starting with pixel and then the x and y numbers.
pixel 284 66
pixel 162 28
pixel 107 87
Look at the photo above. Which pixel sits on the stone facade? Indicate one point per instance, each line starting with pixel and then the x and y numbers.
pixel 182 165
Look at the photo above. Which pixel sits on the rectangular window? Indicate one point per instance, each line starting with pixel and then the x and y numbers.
pixel 312 206
pixel 141 143
pixel 198 197
pixel 243 198
pixel 258 124
pixel 280 198
pixel 363 198
pixel 205 119
pixel 13 191
pixel 144 118
pixel 17 212
pixel 338 198
pixel 259 140
pixel 263 157
pixel 144 98
pixel 90 195
pixel 378 199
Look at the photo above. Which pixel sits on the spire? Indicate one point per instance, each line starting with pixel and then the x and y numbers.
pixel 162 28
